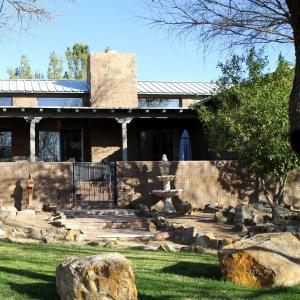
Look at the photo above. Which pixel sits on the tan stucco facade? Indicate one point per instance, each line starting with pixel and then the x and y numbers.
pixel 112 78
pixel 24 101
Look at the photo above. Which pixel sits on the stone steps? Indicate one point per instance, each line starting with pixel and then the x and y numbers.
pixel 109 223
pixel 86 213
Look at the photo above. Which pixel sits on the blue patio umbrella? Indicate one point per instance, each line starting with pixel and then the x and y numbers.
pixel 185 150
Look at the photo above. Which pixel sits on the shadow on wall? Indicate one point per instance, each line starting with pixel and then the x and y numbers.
pixel 17 195
pixel 136 181
pixel 236 180
pixel 52 184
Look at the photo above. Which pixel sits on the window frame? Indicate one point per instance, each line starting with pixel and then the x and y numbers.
pixel 59 131
pixel 60 99
pixel 167 100
pixel 3 159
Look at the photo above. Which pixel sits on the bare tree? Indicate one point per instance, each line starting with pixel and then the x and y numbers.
pixel 238 23
pixel 20 13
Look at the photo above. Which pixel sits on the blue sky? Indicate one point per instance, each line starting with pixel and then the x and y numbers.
pixel 113 23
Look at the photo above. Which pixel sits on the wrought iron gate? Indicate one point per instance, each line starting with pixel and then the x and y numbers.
pixel 94 184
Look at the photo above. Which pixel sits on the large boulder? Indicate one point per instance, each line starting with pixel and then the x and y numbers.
pixel 264 260
pixel 104 277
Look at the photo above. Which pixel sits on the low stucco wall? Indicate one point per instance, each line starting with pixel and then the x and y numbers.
pixel 202 182
pixel 53 184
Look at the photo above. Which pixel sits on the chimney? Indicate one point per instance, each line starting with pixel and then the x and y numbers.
pixel 112 78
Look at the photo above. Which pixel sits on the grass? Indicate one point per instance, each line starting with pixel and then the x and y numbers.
pixel 28 272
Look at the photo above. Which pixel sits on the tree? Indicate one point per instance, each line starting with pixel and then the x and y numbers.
pixel 23 71
pixel 238 22
pixel 248 117
pixel 20 13
pixel 55 67
pixel 77 61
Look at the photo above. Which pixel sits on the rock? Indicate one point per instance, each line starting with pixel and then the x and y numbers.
pixel 103 277
pixel 35 234
pixel 187 249
pixel 199 249
pixel 148 247
pixel 159 206
pixel 226 242
pixel 167 248
pixel 2 233
pixel 291 228
pixel 264 260
pixel 47 239
pixel 26 213
pixel 243 215
pixel 19 233
pixel 189 235
pixel 207 241
pixel 185 208
pixel 95 244
pixel 72 235
pixel 184 235
pixel 151 227
pixel 212 208
pixel 258 219
pixel 110 244
pixel 161 236
pixel 220 218
pixel 143 210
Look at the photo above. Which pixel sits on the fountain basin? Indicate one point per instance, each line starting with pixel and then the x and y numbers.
pixel 165 178
pixel 167 193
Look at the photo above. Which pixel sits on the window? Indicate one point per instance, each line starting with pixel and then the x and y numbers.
pixel 159 102
pixel 61 145
pixel 49 146
pixel 154 143
pixel 5 101
pixel 60 102
pixel 5 145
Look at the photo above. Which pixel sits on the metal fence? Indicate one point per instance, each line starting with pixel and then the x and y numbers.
pixel 94 184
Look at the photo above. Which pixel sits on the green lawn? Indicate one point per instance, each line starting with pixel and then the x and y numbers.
pixel 28 272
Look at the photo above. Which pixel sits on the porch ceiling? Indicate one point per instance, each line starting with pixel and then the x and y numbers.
pixel 91 112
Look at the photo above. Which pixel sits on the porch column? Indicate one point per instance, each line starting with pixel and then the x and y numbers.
pixel 32 122
pixel 124 122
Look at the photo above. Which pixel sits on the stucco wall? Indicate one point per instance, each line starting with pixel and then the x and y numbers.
pixel 53 183
pixel 202 182
pixel 24 101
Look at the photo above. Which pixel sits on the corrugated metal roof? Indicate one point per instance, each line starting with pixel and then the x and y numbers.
pixel 80 86
pixel 175 88
pixel 44 86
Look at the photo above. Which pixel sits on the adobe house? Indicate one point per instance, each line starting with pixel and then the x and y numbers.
pixel 50 128
pixel 110 117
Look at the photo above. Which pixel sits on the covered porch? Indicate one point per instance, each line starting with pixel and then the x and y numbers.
pixel 47 134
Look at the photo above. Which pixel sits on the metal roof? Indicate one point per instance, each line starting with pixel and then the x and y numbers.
pixel 40 86
pixel 44 86
pixel 191 88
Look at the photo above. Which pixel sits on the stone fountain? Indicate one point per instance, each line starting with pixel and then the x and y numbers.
pixel 167 193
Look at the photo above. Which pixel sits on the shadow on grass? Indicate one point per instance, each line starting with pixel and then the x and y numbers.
pixel 195 270
pixel 27 274
pixel 41 291
pixel 38 290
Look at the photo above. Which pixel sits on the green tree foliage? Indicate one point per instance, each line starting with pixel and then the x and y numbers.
pixel 77 57
pixel 55 67
pixel 248 117
pixel 23 71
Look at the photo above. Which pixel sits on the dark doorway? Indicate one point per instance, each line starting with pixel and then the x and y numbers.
pixel 71 144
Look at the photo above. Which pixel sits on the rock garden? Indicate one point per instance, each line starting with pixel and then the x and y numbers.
pixel 192 249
